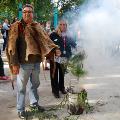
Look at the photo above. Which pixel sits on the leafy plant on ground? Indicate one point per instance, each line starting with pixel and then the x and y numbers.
pixel 41 115
pixel 80 104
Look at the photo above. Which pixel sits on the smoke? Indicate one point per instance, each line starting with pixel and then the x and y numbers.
pixel 99 24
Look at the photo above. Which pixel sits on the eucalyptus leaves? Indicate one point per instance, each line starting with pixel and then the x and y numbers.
pixel 75 65
pixel 78 102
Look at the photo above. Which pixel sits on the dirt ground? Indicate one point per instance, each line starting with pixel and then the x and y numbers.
pixel 103 93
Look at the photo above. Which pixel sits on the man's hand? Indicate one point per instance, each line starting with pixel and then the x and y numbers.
pixel 15 69
pixel 58 52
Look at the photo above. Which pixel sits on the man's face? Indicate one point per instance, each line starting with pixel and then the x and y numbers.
pixel 28 14
pixel 63 26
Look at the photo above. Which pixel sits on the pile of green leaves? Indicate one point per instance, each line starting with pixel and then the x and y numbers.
pixel 83 101
pixel 79 106
pixel 35 114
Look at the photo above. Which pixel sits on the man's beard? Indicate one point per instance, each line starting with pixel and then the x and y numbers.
pixel 28 19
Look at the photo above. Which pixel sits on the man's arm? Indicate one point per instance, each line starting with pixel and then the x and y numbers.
pixel 13 62
pixel 11 50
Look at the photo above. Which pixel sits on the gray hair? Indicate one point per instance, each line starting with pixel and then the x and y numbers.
pixel 28 5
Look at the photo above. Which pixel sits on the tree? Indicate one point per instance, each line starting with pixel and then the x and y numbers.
pixel 43 10
pixel 66 5
pixel 7 10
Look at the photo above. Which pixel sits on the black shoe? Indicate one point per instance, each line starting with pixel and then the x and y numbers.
pixel 22 115
pixel 56 95
pixel 35 106
pixel 63 92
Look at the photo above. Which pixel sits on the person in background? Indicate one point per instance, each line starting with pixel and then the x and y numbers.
pixel 48 30
pixel 6 27
pixel 48 27
pixel 27 46
pixel 2 74
pixel 57 68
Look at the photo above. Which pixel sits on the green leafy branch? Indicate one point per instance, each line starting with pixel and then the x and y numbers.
pixel 75 65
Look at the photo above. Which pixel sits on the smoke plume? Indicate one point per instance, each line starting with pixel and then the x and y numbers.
pixel 96 26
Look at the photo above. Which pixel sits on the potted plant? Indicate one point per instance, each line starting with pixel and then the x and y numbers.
pixel 77 100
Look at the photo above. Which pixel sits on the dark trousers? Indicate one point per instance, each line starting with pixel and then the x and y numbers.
pixel 5 43
pixel 57 77
pixel 1 66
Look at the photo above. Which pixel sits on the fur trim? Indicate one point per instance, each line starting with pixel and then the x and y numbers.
pixel 37 40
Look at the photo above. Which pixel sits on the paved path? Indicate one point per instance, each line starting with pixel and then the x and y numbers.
pixel 103 89
pixel 8 95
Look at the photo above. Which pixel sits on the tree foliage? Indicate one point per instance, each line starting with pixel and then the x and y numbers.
pixel 7 10
pixel 43 8
pixel 67 5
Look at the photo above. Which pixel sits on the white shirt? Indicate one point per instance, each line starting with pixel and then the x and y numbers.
pixel 6 27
